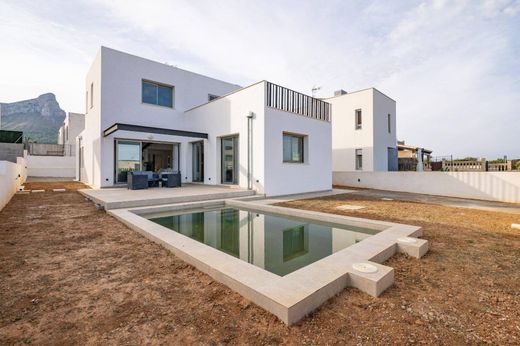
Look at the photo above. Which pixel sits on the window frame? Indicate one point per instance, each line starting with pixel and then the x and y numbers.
pixel 358 125
pixel 301 147
pixel 157 85
pixel 91 95
pixel 358 153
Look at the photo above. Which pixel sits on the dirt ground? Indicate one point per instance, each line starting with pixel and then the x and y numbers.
pixel 71 274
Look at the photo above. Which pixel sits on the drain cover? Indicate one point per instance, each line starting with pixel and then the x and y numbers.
pixel 365 267
pixel 407 240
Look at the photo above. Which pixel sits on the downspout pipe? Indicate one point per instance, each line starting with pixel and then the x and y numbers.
pixel 250 117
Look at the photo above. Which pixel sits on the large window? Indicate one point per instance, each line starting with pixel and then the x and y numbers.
pixel 359 119
pixel 157 94
pixel 359 159
pixel 229 160
pixel 128 159
pixel 292 148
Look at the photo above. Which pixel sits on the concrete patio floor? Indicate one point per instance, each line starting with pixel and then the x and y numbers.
pixel 115 198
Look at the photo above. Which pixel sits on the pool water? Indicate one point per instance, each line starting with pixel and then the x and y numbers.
pixel 278 244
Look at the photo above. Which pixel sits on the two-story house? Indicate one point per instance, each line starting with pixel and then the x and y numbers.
pixel 146 115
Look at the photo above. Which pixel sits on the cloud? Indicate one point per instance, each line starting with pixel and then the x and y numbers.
pixel 452 66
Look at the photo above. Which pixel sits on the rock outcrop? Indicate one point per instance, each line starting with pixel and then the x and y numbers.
pixel 39 118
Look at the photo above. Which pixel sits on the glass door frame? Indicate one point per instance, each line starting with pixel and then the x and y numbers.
pixel 116 159
pixel 200 164
pixel 235 140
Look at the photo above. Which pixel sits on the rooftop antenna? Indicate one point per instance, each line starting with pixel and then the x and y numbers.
pixel 314 89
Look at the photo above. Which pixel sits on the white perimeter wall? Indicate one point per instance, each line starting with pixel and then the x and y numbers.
pixel 51 166
pixel 12 176
pixel 495 186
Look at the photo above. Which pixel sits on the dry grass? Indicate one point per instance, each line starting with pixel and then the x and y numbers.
pixel 70 274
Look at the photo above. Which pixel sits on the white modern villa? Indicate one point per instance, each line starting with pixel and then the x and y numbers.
pixel 146 115
pixel 363 131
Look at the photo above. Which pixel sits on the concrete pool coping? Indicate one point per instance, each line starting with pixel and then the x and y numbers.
pixel 122 197
pixel 294 295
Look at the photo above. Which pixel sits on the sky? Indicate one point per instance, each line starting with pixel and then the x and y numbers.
pixel 452 66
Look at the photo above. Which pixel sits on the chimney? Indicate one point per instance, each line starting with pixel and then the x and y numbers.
pixel 339 92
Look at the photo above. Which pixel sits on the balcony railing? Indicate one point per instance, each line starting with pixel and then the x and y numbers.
pixel 292 101
pixel 44 149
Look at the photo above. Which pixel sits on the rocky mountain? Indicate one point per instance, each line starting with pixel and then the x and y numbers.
pixel 38 118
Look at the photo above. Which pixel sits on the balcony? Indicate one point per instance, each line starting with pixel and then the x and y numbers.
pixel 288 100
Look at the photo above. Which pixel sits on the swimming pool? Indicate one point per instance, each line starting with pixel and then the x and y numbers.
pixel 276 243
pixel 288 261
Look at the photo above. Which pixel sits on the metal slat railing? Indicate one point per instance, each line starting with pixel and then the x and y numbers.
pixel 294 102
pixel 45 149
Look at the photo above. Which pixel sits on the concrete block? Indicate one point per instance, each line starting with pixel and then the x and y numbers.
pixel 372 283
pixel 417 249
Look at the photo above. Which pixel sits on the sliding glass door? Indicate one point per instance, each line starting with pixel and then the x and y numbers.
pixel 229 160
pixel 128 159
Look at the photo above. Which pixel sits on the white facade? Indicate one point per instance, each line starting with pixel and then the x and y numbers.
pixel 373 136
pixel 73 125
pixel 114 87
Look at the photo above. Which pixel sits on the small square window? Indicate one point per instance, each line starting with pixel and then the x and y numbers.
pixel 292 148
pixel 359 159
pixel 358 119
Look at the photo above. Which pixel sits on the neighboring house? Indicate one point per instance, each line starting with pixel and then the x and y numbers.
pixel 145 115
pixel 72 126
pixel 410 151
pixel 363 131
pixel 408 156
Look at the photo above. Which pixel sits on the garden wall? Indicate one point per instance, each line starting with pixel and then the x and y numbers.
pixel 494 186
pixel 12 176
pixel 51 166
